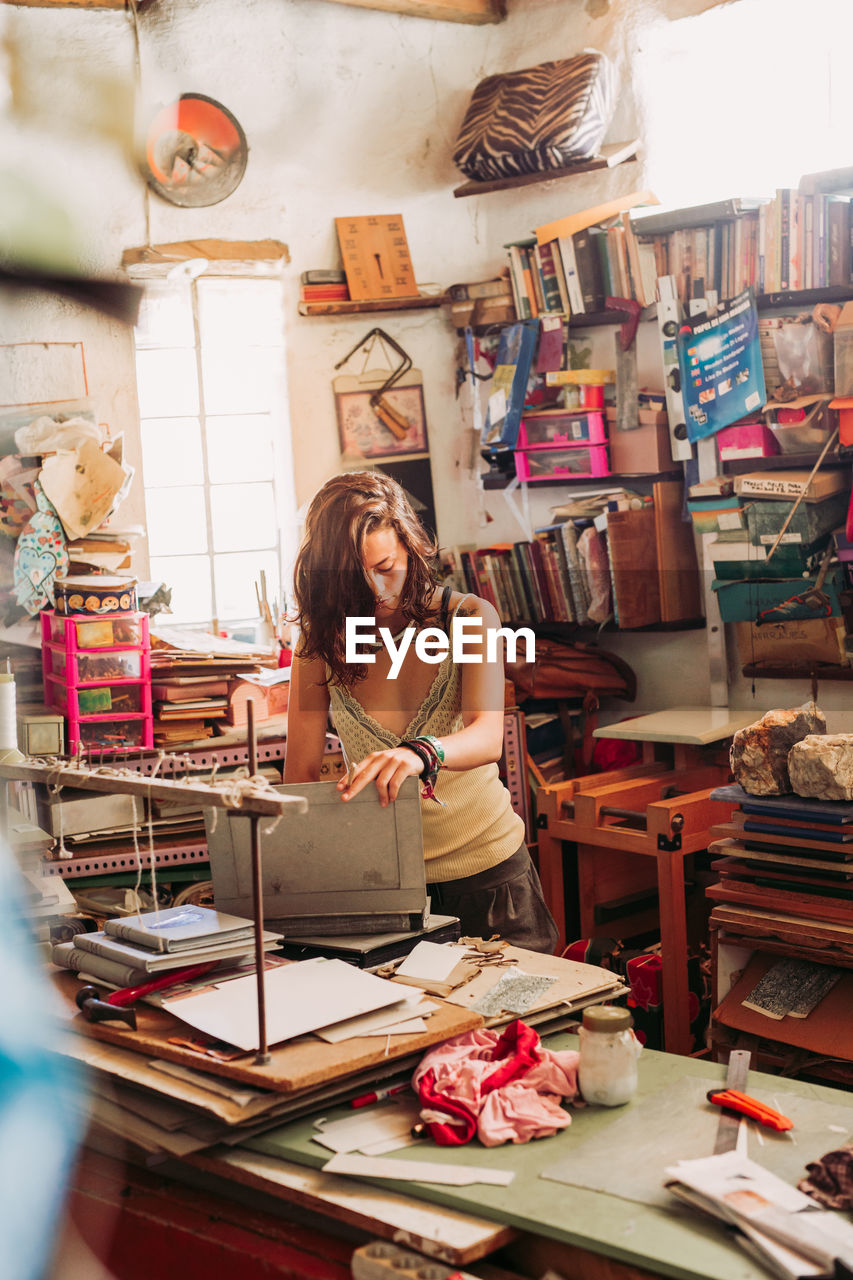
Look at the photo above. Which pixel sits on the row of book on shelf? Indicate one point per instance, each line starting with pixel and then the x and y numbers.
pixel 799 238
pixel 613 557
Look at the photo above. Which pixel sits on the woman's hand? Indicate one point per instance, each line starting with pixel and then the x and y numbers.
pixel 388 769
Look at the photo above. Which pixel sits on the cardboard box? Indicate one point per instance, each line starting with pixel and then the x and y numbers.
pixel 783 643
pixel 792 484
pixel 744 601
pixel 811 522
pixel 644 451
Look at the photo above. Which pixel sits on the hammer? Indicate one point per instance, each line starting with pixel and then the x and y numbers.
pixel 95 1009
pixel 117 1004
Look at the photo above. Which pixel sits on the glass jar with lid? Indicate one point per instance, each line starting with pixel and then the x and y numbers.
pixel 607 1070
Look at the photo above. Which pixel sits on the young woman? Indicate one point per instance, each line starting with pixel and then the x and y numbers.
pixel 365 555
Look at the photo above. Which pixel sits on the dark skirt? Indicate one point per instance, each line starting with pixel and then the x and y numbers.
pixel 506 900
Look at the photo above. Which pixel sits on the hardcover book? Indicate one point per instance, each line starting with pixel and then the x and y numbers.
pixel 180 928
pixel 102 944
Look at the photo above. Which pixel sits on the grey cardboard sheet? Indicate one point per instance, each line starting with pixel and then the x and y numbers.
pixel 628 1157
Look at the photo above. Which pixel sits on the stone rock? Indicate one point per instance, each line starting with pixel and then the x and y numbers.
pixel 759 754
pixel 822 766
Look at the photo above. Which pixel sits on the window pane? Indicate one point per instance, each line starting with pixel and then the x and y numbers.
pixel 165 316
pixel 236 576
pixel 189 578
pixel 239 448
pixel 167 383
pixel 242 516
pixel 171 451
pixel 240 380
pixel 247 311
pixel 176 521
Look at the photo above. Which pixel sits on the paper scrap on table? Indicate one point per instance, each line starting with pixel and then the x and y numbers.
pixel 383 1124
pixel 378 1023
pixel 300 997
pixel 414 1026
pixel 433 961
pixel 497 406
pixel 514 992
pixel 452 1175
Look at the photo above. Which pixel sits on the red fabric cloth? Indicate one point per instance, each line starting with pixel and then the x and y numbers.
pixel 502 1088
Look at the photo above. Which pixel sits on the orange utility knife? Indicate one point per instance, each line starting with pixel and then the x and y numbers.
pixel 742 1103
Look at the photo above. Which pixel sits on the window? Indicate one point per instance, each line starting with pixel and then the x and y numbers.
pixel 744 98
pixel 215 444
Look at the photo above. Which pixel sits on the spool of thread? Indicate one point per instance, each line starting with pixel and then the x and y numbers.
pixel 8 719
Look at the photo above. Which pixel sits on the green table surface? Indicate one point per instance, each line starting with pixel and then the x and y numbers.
pixel 675 1241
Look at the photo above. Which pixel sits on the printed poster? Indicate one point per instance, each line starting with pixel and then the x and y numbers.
pixel 722 376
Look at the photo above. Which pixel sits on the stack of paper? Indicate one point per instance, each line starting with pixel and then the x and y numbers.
pixel 784 1229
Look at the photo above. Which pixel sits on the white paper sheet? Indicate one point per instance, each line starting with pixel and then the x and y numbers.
pixel 453 1175
pixel 378 1023
pixel 433 961
pixel 378 1126
pixel 300 998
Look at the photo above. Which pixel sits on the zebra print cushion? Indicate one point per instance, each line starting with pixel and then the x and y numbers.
pixel 538 119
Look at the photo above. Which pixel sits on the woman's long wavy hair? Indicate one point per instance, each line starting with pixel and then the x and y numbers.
pixel 330 583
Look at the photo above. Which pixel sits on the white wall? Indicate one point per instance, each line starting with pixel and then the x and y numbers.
pixel 347 111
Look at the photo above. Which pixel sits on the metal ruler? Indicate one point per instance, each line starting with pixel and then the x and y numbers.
pixel 729 1123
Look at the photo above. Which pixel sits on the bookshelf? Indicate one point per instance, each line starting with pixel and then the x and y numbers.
pixel 387 304
pixel 611 154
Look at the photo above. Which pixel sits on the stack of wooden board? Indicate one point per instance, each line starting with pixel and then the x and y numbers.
pixel 786 853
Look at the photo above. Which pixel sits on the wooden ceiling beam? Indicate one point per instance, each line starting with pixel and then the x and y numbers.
pixel 474 12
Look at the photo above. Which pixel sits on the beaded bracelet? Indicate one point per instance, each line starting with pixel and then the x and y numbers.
pixel 436 745
pixel 429 757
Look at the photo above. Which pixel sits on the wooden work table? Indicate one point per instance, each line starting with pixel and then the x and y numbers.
pixel 534 1222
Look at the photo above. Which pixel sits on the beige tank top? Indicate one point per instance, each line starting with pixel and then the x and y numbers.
pixel 477 828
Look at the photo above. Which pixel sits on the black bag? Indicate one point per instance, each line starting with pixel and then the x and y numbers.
pixel 543 118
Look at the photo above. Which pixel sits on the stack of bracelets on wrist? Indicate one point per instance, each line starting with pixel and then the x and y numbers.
pixel 430 752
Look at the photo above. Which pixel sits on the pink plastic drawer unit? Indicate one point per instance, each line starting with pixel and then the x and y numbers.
pixel 555 428
pixel 97 672
pixel 551 464
pixel 118 631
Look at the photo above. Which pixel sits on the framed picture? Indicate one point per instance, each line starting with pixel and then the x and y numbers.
pixel 363 433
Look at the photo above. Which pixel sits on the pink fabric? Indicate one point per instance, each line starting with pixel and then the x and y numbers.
pixel 504 1088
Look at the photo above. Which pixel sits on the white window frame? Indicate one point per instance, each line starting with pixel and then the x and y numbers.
pixel 282 479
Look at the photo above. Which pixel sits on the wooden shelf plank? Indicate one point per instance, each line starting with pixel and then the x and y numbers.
pixel 798 671
pixel 598 483
pixel 472 12
pixel 253 800
pixel 387 304
pixel 612 153
pixel 804 297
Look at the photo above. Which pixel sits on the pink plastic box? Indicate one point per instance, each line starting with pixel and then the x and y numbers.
pixel 553 428
pixel 551 464
pixel 746 440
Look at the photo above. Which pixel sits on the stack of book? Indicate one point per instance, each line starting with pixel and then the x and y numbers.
pixel 785 853
pixel 482 302
pixel 133 950
pixel 629 561
pixel 192 674
pixel 574 263
pixel 323 285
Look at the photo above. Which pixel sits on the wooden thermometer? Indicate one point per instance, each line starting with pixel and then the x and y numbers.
pixel 376 258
